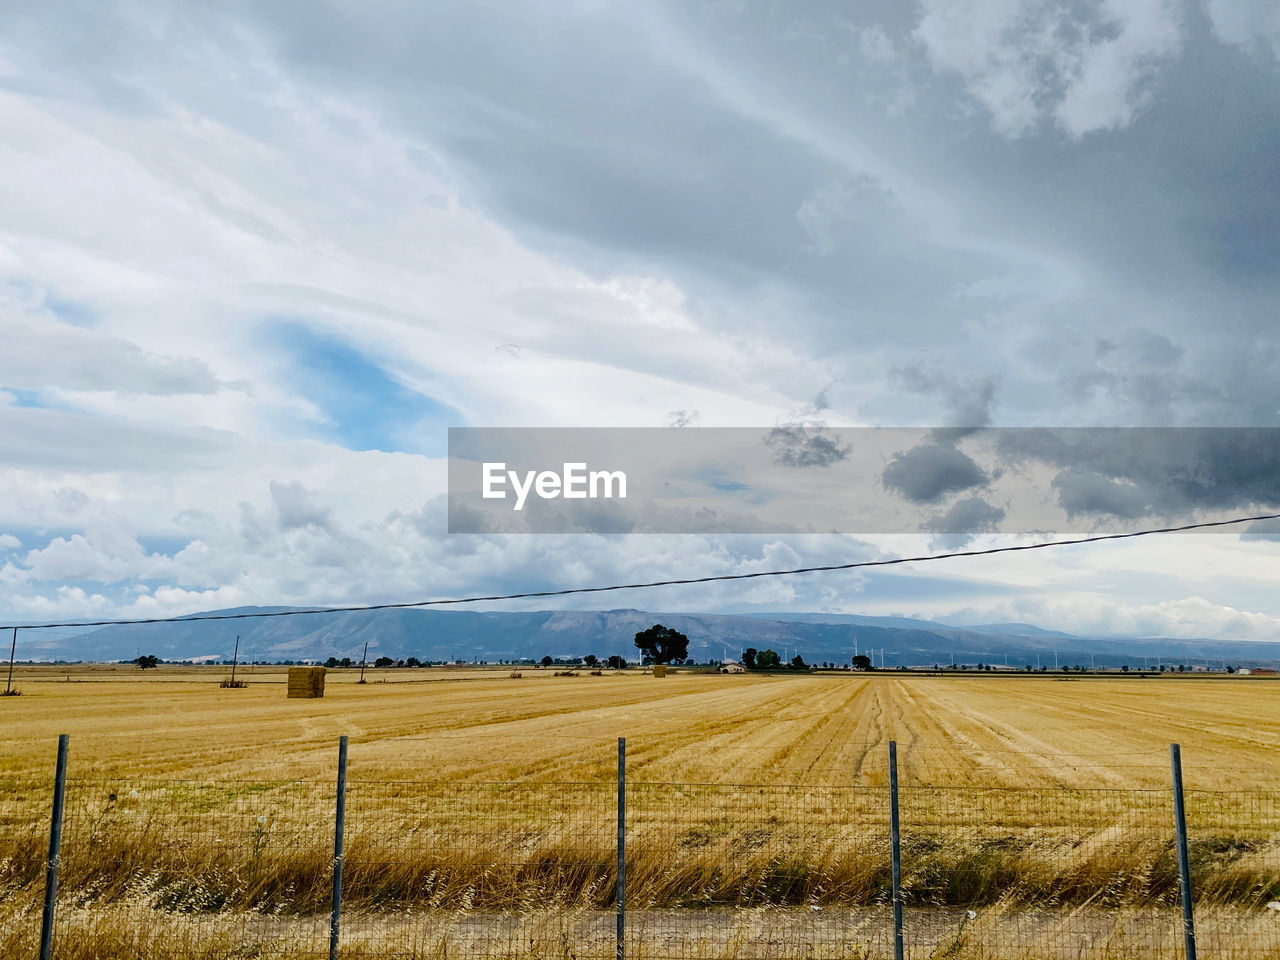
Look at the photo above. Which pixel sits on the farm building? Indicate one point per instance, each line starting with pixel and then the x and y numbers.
pixel 731 666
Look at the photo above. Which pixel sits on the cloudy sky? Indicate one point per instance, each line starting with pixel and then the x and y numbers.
pixel 255 259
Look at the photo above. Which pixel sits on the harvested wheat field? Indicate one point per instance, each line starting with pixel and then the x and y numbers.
pixel 481 813
pixel 477 723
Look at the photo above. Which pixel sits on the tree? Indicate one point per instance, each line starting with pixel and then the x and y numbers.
pixel 863 662
pixel 148 661
pixel 797 663
pixel 661 644
pixel 749 658
pixel 591 660
pixel 768 660
pixel 616 662
pixel 413 662
pixel 547 661
pixel 384 662
pixel 331 662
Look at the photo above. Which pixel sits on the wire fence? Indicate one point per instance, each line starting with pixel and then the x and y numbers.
pixel 221 868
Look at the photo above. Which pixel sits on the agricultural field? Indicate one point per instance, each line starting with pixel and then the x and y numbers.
pixel 483 724
pixel 481 813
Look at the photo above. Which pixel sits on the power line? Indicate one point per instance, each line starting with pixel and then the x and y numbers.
pixel 720 578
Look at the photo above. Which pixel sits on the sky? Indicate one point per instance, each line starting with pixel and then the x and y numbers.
pixel 256 259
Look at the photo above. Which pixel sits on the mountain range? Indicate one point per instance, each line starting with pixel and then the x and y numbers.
pixel 492 636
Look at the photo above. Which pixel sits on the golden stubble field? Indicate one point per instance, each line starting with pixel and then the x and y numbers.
pixel 481 724
pixel 481 813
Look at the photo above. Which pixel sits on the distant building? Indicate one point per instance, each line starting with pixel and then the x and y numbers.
pixel 1243 672
pixel 732 666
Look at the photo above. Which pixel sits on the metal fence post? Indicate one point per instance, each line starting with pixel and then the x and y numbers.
pixel 1184 864
pixel 339 821
pixel 895 850
pixel 55 848
pixel 622 847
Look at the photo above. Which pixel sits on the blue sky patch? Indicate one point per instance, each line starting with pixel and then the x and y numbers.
pixel 365 406
pixel 69 311
pixel 26 398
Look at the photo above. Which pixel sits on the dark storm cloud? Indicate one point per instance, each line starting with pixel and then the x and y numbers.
pixel 1130 473
pixel 1083 492
pixel 969 516
pixel 805 446
pixel 928 472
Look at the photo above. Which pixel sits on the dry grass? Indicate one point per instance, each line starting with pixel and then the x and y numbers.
pixel 134 929
pixel 479 803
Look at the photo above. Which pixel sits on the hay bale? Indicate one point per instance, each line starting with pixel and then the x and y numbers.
pixel 306 682
pixel 659 669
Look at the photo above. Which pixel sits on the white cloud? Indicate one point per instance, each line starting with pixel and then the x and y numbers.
pixel 1246 22
pixel 41 352
pixel 1183 618
pixel 1083 66
pixel 65 602
pixel 144 218
pixel 105 553
pixel 181 195
pixel 296 507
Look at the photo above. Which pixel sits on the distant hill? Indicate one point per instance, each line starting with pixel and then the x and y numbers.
pixel 1020 630
pixel 431 634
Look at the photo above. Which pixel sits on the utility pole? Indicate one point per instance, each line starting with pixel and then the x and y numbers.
pixel 363 657
pixel 13 649
pixel 235 658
